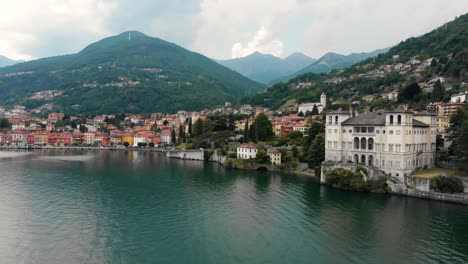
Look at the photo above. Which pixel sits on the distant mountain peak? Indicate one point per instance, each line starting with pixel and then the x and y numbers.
pixel 265 68
pixel 5 61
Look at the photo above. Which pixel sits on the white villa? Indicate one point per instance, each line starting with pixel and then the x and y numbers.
pixel 395 142
pixel 459 98
pixel 308 107
pixel 247 151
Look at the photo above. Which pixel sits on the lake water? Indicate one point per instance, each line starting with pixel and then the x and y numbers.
pixel 138 207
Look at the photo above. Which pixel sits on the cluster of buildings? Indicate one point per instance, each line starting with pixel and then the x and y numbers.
pixel 249 151
pixel 59 130
pixel 443 110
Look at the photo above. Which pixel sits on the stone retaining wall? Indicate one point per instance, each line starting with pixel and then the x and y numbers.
pixel 186 154
pixel 446 197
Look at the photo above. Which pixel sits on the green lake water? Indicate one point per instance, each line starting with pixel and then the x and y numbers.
pixel 140 207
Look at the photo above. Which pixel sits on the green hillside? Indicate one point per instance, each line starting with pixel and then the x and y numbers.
pixel 442 53
pixel 130 72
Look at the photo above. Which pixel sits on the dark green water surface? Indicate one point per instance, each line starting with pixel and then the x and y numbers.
pixel 134 207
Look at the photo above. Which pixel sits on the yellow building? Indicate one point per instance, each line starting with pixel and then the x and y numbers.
pixel 41 138
pixel 128 137
pixel 275 156
pixel 443 123
pixel 277 128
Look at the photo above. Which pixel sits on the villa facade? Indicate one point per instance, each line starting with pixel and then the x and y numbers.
pixel 395 142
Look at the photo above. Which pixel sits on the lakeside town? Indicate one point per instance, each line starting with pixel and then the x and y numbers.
pixel 397 144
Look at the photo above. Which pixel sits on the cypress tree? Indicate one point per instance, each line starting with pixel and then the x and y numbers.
pixel 173 136
pixel 315 110
pixel 246 131
pixel 190 126
pixel 438 92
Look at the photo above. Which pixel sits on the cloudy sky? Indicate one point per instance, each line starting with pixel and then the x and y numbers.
pixel 221 28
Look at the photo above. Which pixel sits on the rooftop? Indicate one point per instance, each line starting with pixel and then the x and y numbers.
pixel 248 146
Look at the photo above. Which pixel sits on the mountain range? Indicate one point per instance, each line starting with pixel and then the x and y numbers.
pixel 4 61
pixel 331 61
pixel 266 68
pixel 417 61
pixel 129 72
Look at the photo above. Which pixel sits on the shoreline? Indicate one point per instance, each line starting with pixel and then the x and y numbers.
pixel 182 154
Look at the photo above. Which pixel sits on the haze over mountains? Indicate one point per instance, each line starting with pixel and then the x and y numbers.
pixel 129 72
pixel 4 61
pixel 266 68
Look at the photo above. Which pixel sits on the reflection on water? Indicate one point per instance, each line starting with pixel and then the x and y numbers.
pixel 64 206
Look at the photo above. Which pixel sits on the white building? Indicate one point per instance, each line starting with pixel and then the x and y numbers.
pixel 459 98
pixel 392 96
pixel 247 151
pixel 139 139
pixel 395 142
pixel 19 137
pixel 308 107
pixel 302 127
pixel 89 138
pixel 166 137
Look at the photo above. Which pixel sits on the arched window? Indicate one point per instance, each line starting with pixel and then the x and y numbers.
pixel 391 120
pixel 399 119
pixel 330 120
pixel 363 159
pixel 371 160
pixel 370 142
pixel 356 159
pixel 336 120
pixel 363 143
pixel 356 143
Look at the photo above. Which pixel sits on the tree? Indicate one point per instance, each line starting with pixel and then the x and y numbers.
pixel 300 114
pixel 246 131
pixel 262 157
pixel 4 123
pixel 264 128
pixel 126 144
pixel 208 126
pixel 315 110
pixel 151 145
pixel 190 126
pixel 317 151
pixel 83 129
pixel 253 133
pixel 198 127
pixel 294 134
pixel 461 146
pixel 181 133
pixel 438 92
pixel 410 91
pixel 173 136
pixel 165 122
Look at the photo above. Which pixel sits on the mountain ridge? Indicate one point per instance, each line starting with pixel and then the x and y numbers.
pixel 128 72
pixel 266 67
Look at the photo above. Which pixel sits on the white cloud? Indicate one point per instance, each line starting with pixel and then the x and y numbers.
pixel 31 29
pixel 261 42
pixel 221 28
